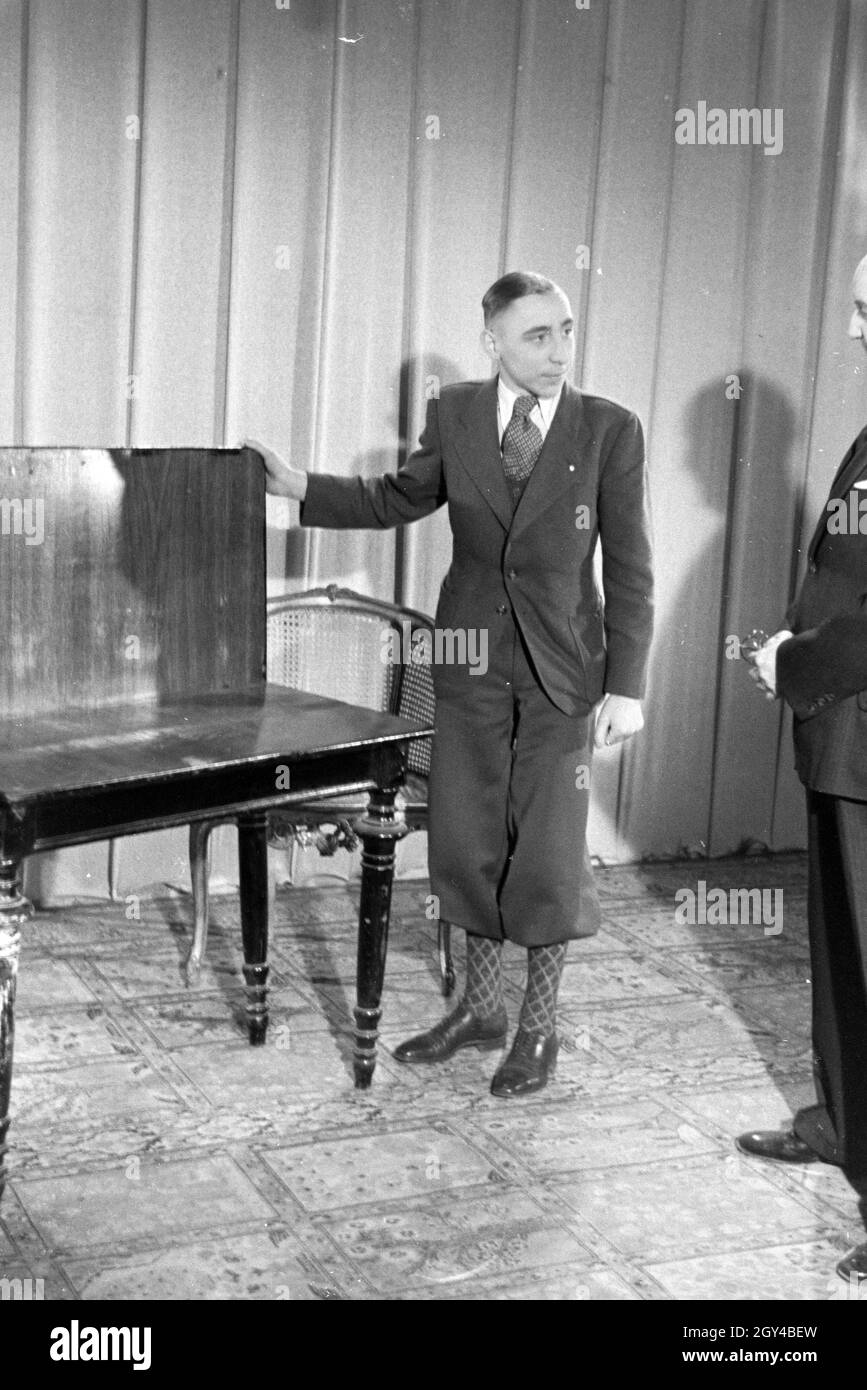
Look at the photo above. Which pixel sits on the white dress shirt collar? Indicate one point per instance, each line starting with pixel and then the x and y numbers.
pixel 542 413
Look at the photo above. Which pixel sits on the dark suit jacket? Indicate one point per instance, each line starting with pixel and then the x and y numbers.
pixel 540 560
pixel 822 670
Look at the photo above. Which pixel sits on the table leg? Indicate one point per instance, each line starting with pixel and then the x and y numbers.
pixel 253 863
pixel 379 830
pixel 14 909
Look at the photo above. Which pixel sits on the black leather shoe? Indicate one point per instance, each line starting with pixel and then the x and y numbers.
pixel 532 1059
pixel 780 1144
pixel 461 1028
pixel 854 1265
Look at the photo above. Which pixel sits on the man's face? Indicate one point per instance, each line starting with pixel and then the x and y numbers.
pixel 858 321
pixel 532 342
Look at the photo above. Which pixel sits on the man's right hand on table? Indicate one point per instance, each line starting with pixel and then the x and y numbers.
pixel 280 479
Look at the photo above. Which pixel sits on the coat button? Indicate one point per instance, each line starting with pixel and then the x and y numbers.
pixel 813 567
pixel 501 608
pixel 513 574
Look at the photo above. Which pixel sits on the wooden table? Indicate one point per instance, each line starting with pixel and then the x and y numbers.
pixel 161 554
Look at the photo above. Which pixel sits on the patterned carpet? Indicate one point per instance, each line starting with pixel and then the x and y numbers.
pixel 156 1155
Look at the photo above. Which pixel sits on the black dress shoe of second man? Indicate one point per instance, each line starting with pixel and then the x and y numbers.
pixel 780 1144
pixel 460 1028
pixel 532 1059
pixel 853 1267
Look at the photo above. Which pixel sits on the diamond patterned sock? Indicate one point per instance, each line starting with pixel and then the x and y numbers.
pixel 484 988
pixel 544 969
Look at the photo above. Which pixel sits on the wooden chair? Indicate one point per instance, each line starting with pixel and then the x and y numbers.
pixel 334 642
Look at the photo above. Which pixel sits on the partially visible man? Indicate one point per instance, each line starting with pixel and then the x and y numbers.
pixel 818 663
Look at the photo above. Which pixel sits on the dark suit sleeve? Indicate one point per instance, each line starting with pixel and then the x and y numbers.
pixel 416 490
pixel 825 664
pixel 627 574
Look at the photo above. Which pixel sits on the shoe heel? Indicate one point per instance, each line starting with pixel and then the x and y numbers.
pixel 490 1044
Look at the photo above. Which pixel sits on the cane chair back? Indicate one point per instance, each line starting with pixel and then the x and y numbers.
pixel 339 643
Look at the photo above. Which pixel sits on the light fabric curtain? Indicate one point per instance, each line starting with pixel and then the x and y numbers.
pixel 222 217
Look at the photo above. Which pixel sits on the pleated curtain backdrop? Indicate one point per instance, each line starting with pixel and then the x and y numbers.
pixel 277 217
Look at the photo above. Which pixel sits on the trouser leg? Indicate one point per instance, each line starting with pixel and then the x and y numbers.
pixel 836 1127
pixel 468 791
pixel 548 895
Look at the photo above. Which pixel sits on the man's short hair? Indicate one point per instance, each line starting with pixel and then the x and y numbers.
pixel 515 285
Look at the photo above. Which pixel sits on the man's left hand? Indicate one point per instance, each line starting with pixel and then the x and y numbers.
pixel 617 719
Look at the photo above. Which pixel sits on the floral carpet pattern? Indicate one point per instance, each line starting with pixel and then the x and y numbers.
pixel 154 1154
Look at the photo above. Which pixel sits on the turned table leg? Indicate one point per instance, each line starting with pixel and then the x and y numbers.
pixel 14 909
pixel 379 830
pixel 253 857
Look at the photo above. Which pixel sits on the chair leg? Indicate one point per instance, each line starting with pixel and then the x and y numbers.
pixel 444 948
pixel 200 834
pixel 114 855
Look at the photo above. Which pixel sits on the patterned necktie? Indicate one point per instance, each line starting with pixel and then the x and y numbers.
pixel 522 442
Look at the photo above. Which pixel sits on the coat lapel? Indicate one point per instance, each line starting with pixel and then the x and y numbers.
pixel 478 448
pixel 558 461
pixel 850 470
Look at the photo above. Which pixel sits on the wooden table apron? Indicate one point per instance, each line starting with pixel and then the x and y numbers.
pixel 370 756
